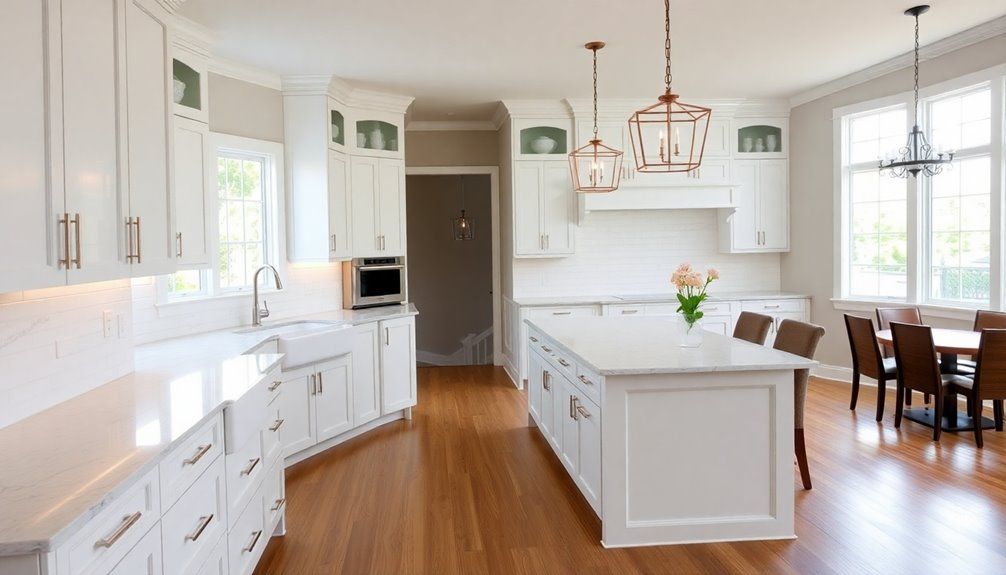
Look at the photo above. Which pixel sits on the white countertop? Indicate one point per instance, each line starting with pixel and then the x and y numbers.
pixel 543 301
pixel 65 464
pixel 648 345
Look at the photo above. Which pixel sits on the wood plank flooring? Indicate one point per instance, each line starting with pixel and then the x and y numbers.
pixel 468 488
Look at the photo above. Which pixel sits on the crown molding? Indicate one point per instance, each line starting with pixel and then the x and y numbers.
pixel 193 37
pixel 373 100
pixel 451 126
pixel 306 85
pixel 622 108
pixel 949 44
pixel 344 92
pixel 500 116
pixel 537 108
pixel 244 72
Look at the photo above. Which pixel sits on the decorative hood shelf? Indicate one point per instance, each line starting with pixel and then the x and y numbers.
pixel 675 197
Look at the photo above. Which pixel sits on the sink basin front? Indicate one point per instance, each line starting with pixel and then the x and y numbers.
pixel 289 327
pixel 305 347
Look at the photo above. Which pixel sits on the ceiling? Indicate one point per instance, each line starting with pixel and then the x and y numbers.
pixel 459 57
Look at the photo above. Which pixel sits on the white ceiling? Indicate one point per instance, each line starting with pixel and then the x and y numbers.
pixel 459 57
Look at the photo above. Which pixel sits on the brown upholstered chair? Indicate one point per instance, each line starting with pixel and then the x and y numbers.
pixel 868 360
pixel 984 319
pixel 919 369
pixel 989 380
pixel 800 339
pixel 885 315
pixel 752 327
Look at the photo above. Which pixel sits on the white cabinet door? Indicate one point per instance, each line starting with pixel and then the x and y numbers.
pixel 744 221
pixel 91 139
pixel 773 204
pixel 366 374
pixel 364 180
pixel 144 558
pixel 535 381
pixel 589 478
pixel 339 207
pixel 391 205
pixel 529 239
pixel 557 200
pixel 718 323
pixel 567 426
pixel 295 408
pixel 717 140
pixel 398 364
pixel 333 398
pixel 194 168
pixel 28 225
pixel 148 70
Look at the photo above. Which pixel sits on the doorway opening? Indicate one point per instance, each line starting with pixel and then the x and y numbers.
pixel 453 264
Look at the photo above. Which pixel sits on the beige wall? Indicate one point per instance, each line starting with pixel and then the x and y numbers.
pixel 452 148
pixel 245 109
pixel 449 281
pixel 810 266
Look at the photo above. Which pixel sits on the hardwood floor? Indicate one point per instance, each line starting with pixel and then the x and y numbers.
pixel 467 487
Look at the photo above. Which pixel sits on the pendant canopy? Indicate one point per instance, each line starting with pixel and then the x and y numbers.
pixel 669 136
pixel 595 167
pixel 916 157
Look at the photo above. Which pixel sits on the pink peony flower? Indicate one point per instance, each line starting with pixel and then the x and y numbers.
pixel 713 274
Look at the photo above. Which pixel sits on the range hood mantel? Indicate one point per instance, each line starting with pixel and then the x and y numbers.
pixel 700 196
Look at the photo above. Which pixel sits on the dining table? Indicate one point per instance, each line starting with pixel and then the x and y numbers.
pixel 950 344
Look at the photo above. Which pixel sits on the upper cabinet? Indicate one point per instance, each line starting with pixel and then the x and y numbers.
pixel 760 138
pixel 378 134
pixel 378 200
pixel 544 209
pixel 189 84
pixel 194 189
pixel 760 222
pixel 538 139
pixel 336 125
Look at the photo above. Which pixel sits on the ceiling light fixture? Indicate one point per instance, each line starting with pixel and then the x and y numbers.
pixel 589 163
pixel 657 132
pixel 917 155
pixel 463 226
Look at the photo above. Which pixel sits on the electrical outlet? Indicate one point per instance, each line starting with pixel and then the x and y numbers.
pixel 106 323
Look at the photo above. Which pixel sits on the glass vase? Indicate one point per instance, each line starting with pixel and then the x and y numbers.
pixel 691 333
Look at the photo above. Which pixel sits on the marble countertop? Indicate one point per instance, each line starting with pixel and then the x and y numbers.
pixel 63 465
pixel 544 301
pixel 648 345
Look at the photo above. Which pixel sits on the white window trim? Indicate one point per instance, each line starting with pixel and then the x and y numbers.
pixel 275 197
pixel 996 76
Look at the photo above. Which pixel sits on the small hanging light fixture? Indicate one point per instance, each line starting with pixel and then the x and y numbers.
pixel 463 226
pixel 589 163
pixel 917 155
pixel 669 136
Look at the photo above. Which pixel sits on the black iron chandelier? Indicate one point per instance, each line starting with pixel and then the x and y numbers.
pixel 917 155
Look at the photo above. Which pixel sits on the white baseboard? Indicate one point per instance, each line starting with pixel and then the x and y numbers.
pixel 294 458
pixel 837 373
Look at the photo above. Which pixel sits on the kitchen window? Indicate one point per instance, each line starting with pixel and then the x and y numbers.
pixel 928 241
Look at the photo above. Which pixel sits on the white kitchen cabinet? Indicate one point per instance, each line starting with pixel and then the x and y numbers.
pixel 337 123
pixel 760 138
pixel 189 72
pixel 144 558
pixel 194 188
pixel 568 426
pixel 148 136
pixel 378 134
pixel 378 203
pixel 339 207
pixel 544 205
pixel 588 419
pixel 761 220
pixel 295 408
pixel 366 374
pixel 398 364
pixel 192 526
pixel 535 389
pixel 333 398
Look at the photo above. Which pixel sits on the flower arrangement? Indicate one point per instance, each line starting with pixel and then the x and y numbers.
pixel 691 286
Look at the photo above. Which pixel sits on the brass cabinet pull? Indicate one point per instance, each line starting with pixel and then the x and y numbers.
pixel 252 463
pixel 334 243
pixel 771 306
pixel 582 411
pixel 387 336
pixel 629 311
pixel 276 425
pixel 534 339
pixel 563 362
pixel 64 221
pixel 547 349
pixel 321 385
pixel 314 386
pixel 562 313
pixel 203 449
pixel 544 380
pixel 127 522
pixel 129 240
pixel 585 380
pixel 76 238
pixel 274 385
pixel 279 504
pixel 178 241
pixel 572 407
pixel 254 541
pixel 204 522
pixel 139 241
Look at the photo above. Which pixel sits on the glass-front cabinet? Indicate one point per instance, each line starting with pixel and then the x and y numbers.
pixel 336 125
pixel 377 134
pixel 189 80
pixel 760 138
pixel 538 139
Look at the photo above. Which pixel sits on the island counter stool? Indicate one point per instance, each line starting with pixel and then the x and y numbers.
pixel 800 339
pixel 752 327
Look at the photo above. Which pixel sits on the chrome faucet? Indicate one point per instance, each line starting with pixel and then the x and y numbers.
pixel 259 314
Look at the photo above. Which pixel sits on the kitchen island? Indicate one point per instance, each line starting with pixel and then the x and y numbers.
pixel 668 444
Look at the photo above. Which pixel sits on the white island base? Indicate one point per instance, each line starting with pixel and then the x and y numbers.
pixel 669 445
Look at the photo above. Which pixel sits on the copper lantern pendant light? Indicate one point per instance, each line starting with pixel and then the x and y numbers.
pixel 463 226
pixel 670 135
pixel 596 168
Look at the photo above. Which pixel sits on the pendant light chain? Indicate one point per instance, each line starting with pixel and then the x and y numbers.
pixel 667 45
pixel 916 109
pixel 595 92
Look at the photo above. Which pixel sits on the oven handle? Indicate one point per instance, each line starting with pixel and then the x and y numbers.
pixel 387 267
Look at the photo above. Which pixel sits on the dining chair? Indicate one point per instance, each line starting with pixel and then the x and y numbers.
pixel 984 319
pixel 885 315
pixel 800 339
pixel 752 327
pixel 989 381
pixel 868 360
pixel 919 370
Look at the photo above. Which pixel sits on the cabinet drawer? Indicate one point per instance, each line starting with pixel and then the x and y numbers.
pixel 247 539
pixel 626 310
pixel 106 538
pixel 273 385
pixel 245 418
pixel 244 471
pixel 566 311
pixel 719 308
pixel 191 528
pixel 563 363
pixel 589 383
pixel 271 446
pixel 274 496
pixel 216 563
pixel 189 460
pixel 769 306
pixel 144 558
